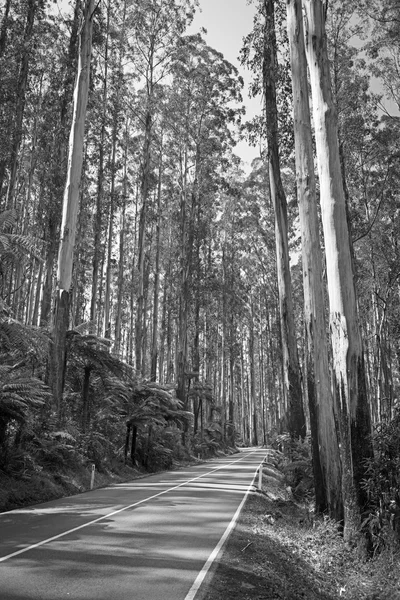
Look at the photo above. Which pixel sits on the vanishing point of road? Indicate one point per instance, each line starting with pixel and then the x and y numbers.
pixel 150 539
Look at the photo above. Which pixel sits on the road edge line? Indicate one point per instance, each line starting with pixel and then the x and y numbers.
pixel 214 554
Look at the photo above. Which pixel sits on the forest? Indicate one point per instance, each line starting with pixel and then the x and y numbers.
pixel 158 300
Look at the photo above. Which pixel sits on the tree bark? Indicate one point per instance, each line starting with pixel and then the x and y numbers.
pixel 120 284
pixel 70 210
pixel 154 345
pixel 326 459
pixel 85 399
pixel 97 225
pixel 53 216
pixel 291 368
pixel 347 351
pixel 144 192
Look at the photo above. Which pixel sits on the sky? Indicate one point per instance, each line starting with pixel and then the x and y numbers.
pixel 227 22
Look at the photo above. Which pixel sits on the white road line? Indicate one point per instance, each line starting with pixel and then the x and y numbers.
pixel 60 535
pixel 214 554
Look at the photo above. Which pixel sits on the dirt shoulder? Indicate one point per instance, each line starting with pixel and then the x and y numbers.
pixel 279 552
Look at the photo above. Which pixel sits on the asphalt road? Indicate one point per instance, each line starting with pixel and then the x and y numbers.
pixel 150 539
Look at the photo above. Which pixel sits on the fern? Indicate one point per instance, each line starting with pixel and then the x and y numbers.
pixel 19 396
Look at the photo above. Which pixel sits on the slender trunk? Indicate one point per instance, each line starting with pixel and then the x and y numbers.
pixel 85 399
pixel 133 444
pixel 4 27
pixel 144 193
pixel 97 225
pixel 161 356
pixel 143 369
pixel 35 316
pixel 154 347
pixel 169 335
pixel 48 282
pixel 186 260
pixel 132 295
pixel 107 290
pixel 127 439
pixel 261 364
pixel 291 368
pixel 20 104
pixel 254 408
pixel 120 283
pixel 348 361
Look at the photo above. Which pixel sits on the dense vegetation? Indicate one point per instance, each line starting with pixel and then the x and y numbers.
pixel 174 343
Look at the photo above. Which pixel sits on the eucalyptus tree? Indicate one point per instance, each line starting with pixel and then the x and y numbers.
pixel 368 179
pixel 347 351
pixel 204 107
pixel 326 460
pixel 53 145
pixel 291 367
pixel 156 27
pixel 70 209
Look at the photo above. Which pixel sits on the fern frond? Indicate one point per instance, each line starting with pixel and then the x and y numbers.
pixel 63 435
pixel 7 219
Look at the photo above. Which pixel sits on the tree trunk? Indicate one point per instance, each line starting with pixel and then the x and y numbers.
pixel 186 260
pixel 107 289
pixel 20 104
pixel 70 210
pixel 291 369
pixel 4 27
pixel 58 179
pixel 154 345
pixel 348 361
pixel 161 357
pixel 97 225
pixel 35 316
pixel 85 399
pixel 326 459
pixel 144 192
pixel 120 284
pixel 252 373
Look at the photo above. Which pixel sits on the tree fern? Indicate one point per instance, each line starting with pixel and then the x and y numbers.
pixel 19 396
pixel 15 247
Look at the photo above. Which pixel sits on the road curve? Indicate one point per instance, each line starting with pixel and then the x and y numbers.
pixel 144 540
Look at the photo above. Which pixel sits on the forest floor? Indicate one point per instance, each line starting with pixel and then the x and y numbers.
pixel 278 551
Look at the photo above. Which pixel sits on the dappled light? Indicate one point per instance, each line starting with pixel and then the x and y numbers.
pixel 155 532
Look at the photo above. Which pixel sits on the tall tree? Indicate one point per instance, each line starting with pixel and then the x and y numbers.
pixel 32 8
pixel 292 377
pixel 70 209
pixel 158 27
pixel 348 361
pixel 326 459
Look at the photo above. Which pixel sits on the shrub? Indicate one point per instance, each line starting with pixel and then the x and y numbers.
pixel 382 485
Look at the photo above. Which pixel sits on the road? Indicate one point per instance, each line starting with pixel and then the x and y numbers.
pixel 150 539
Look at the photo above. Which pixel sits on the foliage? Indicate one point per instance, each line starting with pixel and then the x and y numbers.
pixel 297 464
pixel 382 485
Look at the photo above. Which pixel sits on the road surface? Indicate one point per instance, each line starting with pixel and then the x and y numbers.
pixel 150 539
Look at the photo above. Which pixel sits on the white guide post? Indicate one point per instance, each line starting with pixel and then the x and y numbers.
pixel 92 477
